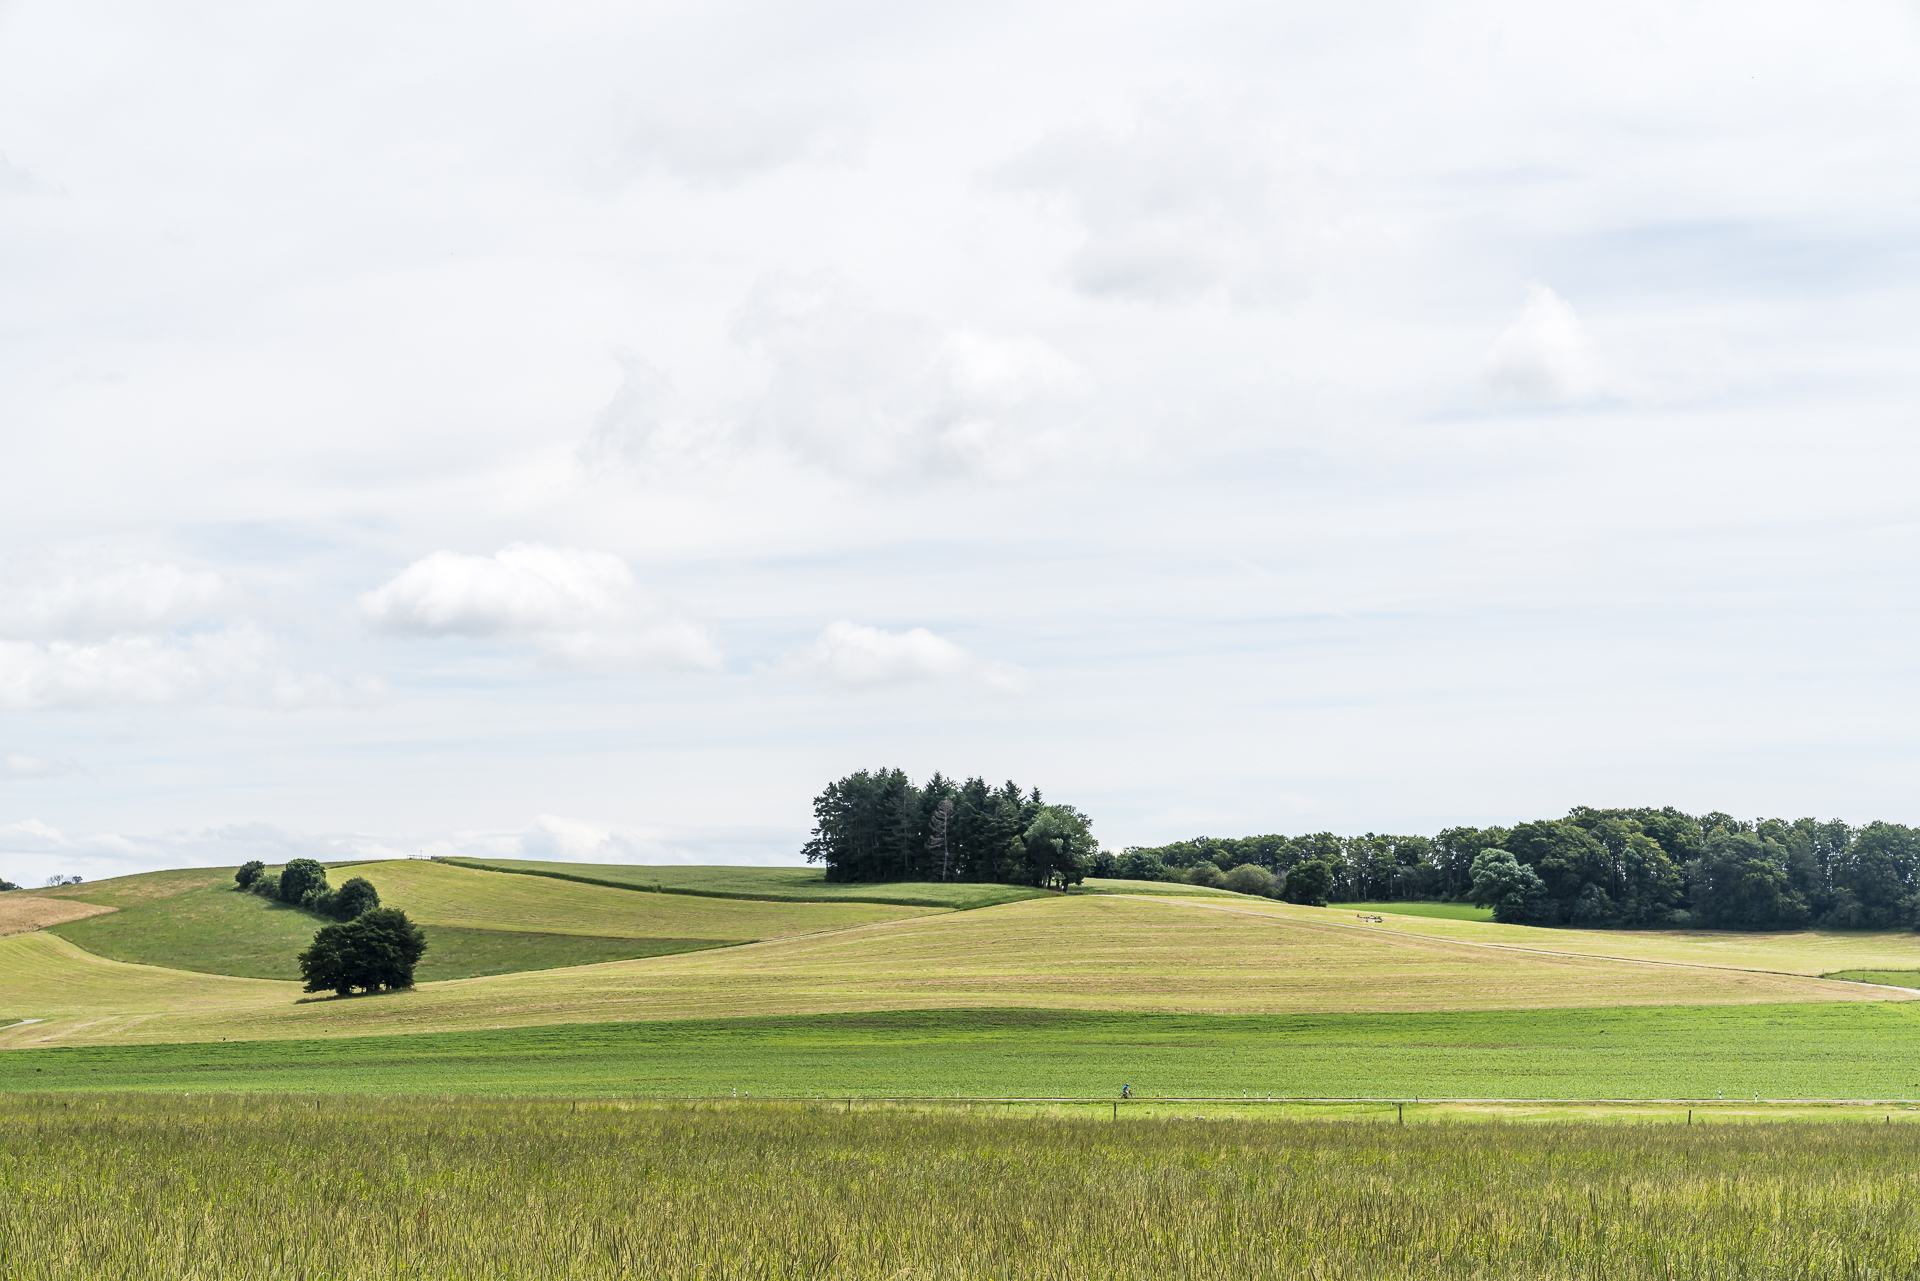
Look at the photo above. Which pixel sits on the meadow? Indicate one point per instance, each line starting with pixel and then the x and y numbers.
pixel 1845 1051
pixel 276 1187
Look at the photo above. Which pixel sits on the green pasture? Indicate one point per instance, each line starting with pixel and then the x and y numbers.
pixel 774 884
pixel 196 920
pixel 1432 911
pixel 193 920
pixel 1891 978
pixel 1803 1051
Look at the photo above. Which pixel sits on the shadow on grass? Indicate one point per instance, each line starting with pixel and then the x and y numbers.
pixel 352 996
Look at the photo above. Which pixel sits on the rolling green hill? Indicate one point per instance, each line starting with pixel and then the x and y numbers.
pixel 1079 953
pixel 476 922
pixel 765 884
pixel 181 957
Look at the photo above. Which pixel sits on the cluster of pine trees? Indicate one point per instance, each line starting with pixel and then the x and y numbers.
pixel 1599 867
pixel 877 825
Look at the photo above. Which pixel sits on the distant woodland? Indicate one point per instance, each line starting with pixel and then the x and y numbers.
pixel 1595 867
pixel 877 825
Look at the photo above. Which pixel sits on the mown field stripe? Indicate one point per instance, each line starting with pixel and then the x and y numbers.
pixel 1511 947
pixel 1840 1051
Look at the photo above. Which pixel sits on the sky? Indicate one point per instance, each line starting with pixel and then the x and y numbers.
pixel 583 430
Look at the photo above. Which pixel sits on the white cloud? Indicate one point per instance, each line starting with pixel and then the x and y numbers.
pixel 1191 198
pixel 96 604
pixel 852 656
pixel 640 426
pixel 723 145
pixel 142 634
pixel 866 393
pixel 1545 357
pixel 583 608
pixel 235 664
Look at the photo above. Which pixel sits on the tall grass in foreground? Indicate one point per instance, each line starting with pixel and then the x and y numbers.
pixel 236 1189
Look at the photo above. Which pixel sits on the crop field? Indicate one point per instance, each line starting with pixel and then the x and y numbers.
pixel 767 884
pixel 197 920
pixel 1730 1053
pixel 273 1187
pixel 1092 953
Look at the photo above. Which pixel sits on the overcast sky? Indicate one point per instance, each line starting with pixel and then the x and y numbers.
pixel 583 430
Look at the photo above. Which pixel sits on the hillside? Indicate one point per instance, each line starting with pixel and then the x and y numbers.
pixel 1070 953
pixel 1807 952
pixel 768 884
pixel 476 922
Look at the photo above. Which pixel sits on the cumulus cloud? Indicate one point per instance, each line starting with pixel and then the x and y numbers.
pixel 582 608
pixel 849 655
pixel 237 664
pixel 108 601
pixel 867 393
pixel 142 634
pixel 638 427
pixel 1545 357
pixel 1189 200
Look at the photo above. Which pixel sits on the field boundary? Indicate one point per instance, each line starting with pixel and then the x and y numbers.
pixel 899 900
pixel 1511 947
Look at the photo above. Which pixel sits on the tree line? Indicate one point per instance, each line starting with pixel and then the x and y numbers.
pixel 1595 867
pixel 878 825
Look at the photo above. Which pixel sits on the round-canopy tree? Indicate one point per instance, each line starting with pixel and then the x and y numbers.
pixel 1309 882
pixel 1249 878
pixel 376 949
pixel 301 877
pixel 352 899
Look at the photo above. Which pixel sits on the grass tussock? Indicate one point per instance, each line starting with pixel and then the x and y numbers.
pixel 135 1187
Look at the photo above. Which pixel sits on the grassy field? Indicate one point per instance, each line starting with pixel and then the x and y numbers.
pixel 1431 911
pixel 766 884
pixel 197 920
pixel 1091 953
pixel 194 1189
pixel 1892 978
pixel 1857 1051
pixel 1809 952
